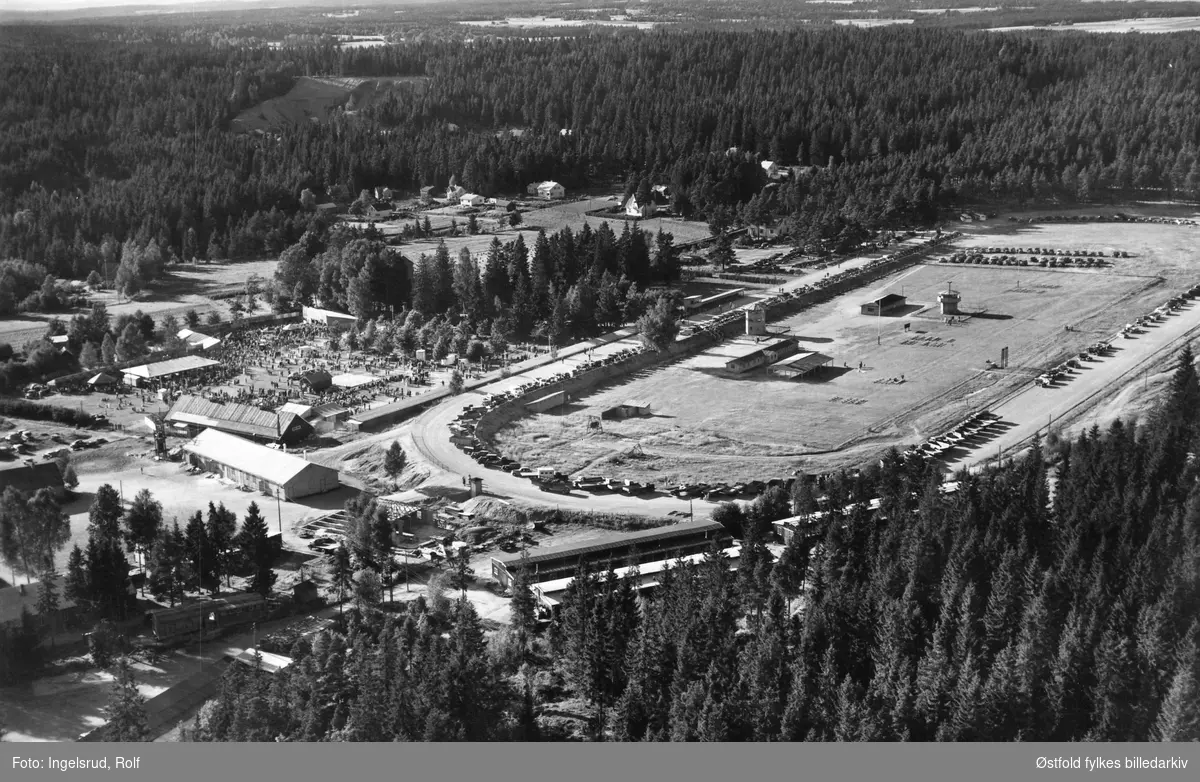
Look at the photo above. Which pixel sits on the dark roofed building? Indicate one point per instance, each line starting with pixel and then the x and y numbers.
pixel 28 478
pixel 884 305
pixel 20 597
pixel 316 380
pixel 195 414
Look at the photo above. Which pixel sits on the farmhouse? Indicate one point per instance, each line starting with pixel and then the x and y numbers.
pixel 768 229
pixel 648 576
pixel 884 305
pixel 771 169
pixel 551 191
pixel 378 211
pixel 384 194
pixel 280 474
pixel 455 193
pixel 195 414
pixel 337 321
pixel 28 478
pixel 471 199
pixel 428 193
pixel 766 353
pixel 658 202
pixel 675 540
pixel 632 408
pixel 149 374
pixel 799 366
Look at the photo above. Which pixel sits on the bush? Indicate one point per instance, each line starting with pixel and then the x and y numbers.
pixel 22 408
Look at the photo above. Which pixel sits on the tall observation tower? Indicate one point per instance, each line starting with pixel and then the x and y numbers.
pixel 949 300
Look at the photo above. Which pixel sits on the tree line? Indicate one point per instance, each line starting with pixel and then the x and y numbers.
pixel 111 140
pixel 994 613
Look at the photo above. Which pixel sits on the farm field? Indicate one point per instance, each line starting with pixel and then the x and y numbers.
pixel 708 424
pixel 311 99
pixel 1165 25
pixel 185 287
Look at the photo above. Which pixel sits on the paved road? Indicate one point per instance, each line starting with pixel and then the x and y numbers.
pixel 1032 409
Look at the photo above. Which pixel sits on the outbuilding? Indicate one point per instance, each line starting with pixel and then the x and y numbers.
pixel 632 408
pixel 885 305
pixel 272 472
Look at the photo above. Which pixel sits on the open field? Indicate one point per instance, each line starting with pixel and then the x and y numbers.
pixel 185 287
pixel 709 424
pixel 312 99
pixel 1167 25
pixel 538 22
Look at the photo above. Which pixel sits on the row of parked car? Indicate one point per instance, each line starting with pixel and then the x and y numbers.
pixel 1118 217
pixel 981 423
pixel 464 429
pixel 1063 370
pixel 716 492
pixel 979 259
pixel 1050 251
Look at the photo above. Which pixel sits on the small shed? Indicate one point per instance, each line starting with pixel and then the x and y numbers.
pixel 885 305
pixel 103 380
pixel 633 408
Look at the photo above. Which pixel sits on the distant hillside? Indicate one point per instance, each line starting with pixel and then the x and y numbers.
pixel 312 99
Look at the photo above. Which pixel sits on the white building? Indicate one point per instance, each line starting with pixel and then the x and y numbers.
pixel 471 199
pixel 551 191
pixel 272 472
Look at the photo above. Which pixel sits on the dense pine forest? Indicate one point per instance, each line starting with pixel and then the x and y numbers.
pixel 126 132
pixel 1055 598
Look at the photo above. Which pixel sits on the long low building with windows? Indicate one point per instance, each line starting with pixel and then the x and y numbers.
pixel 671 541
pixel 273 472
pixel 649 576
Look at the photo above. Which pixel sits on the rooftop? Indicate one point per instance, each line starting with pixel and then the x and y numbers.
pixel 617 540
pixel 244 419
pixel 171 367
pixel 269 662
pixel 549 589
pixel 274 466
pixel 891 298
pixel 11 599
pixel 803 361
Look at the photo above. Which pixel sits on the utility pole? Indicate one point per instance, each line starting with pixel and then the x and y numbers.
pixel 279 515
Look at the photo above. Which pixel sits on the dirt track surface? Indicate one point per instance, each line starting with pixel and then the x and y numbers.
pixel 1034 409
pixel 430 436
